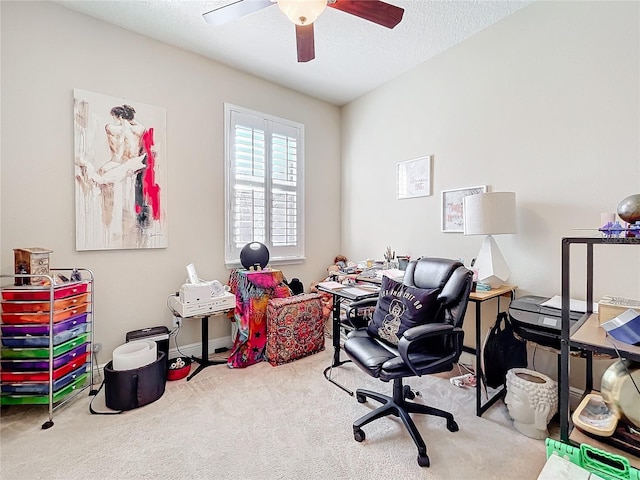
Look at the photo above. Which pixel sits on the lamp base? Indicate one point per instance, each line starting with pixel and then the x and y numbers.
pixel 492 268
pixel 493 282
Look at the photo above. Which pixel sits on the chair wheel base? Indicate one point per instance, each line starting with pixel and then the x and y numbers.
pixel 452 426
pixel 358 435
pixel 409 394
pixel 423 460
pixel 361 398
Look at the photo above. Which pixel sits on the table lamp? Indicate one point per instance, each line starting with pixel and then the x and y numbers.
pixel 490 214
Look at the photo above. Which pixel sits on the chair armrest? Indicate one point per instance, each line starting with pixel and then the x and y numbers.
pixel 412 335
pixel 365 302
pixel 426 330
pixel 355 306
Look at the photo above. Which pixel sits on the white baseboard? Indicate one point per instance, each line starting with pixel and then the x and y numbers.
pixel 190 350
pixel 195 349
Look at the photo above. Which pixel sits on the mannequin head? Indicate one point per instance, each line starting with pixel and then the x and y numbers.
pixel 532 399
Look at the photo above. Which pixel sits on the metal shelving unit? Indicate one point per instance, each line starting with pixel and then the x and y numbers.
pixel 585 334
pixel 46 363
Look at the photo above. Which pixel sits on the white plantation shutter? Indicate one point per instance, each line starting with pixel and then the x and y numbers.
pixel 264 188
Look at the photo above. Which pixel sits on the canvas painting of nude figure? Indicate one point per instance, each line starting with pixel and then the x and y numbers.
pixel 120 173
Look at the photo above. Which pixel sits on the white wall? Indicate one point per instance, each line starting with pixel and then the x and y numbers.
pixel 544 103
pixel 47 51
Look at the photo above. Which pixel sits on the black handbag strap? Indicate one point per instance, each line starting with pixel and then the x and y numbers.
pixel 503 317
pixel 95 412
pixel 497 327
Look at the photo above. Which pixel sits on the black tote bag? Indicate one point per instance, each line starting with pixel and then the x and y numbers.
pixel 502 351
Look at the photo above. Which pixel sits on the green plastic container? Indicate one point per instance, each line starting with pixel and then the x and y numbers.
pixel 22 353
pixel 604 464
pixel 13 399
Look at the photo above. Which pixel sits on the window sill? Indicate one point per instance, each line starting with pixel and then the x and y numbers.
pixel 272 262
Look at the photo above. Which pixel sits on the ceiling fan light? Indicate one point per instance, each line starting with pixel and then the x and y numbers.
pixel 302 12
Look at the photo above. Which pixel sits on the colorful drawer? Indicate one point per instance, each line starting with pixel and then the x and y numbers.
pixel 40 306
pixel 30 341
pixel 58 315
pixel 25 399
pixel 42 388
pixel 42 364
pixel 43 375
pixel 24 353
pixel 43 328
pixel 31 293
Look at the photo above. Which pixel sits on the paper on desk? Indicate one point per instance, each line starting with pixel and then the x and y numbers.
pixel 574 305
pixel 358 292
pixel 393 273
pixel 331 285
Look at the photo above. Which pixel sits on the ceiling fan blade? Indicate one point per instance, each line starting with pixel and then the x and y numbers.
pixel 305 42
pixel 240 8
pixel 377 12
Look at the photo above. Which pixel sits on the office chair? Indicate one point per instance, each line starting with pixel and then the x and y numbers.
pixel 416 330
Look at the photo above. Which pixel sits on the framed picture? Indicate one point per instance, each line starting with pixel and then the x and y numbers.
pixel 452 211
pixel 413 178
pixel 120 173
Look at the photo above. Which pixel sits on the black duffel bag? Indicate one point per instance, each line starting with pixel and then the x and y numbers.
pixel 129 389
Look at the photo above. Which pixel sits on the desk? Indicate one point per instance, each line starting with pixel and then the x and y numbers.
pixel 479 298
pixel 339 293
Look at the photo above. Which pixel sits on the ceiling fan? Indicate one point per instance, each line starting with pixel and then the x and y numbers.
pixel 304 12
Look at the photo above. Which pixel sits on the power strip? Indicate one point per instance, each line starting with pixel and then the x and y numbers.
pixel 463 381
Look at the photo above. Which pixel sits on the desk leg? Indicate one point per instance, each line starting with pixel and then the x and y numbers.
pixel 480 407
pixel 204 362
pixel 336 345
pixel 479 373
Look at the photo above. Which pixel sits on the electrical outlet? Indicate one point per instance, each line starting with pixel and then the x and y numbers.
pixel 177 321
pixel 97 347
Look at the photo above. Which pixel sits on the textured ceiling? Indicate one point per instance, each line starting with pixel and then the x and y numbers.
pixel 353 56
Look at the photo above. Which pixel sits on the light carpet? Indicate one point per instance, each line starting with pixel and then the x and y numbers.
pixel 264 422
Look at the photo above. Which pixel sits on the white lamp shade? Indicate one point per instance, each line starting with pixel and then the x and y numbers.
pixel 490 213
pixel 302 12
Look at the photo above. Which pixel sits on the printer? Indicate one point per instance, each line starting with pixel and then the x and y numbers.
pixel 199 297
pixel 209 305
pixel 538 323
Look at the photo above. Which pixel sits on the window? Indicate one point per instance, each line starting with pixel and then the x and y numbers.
pixel 264 196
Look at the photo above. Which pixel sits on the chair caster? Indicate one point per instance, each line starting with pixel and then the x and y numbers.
pixel 361 398
pixel 452 426
pixel 423 460
pixel 409 394
pixel 358 435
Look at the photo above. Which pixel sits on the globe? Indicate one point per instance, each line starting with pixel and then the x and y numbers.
pixel 254 254
pixel 629 208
